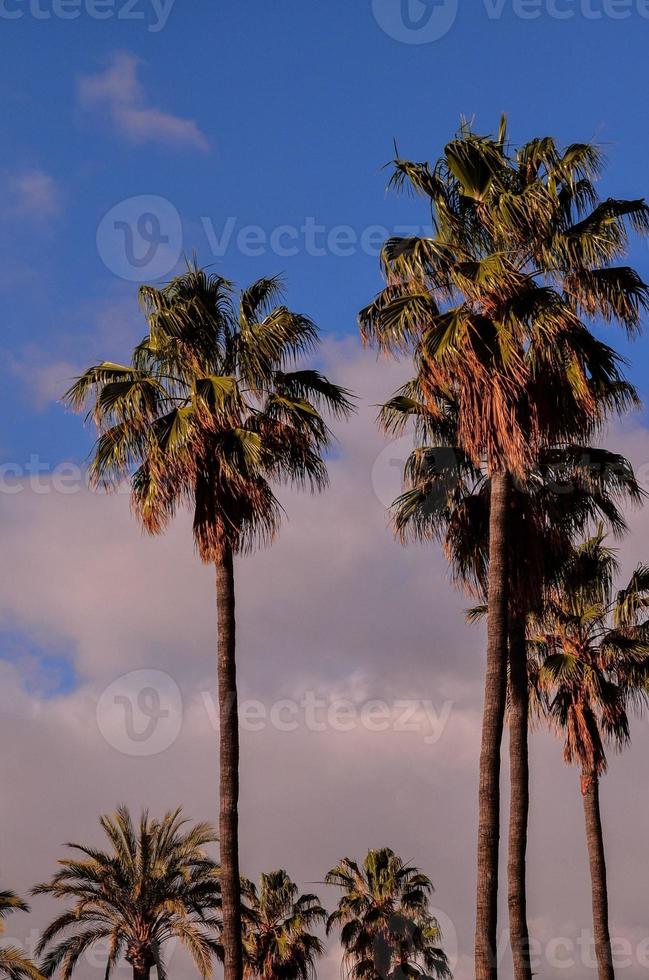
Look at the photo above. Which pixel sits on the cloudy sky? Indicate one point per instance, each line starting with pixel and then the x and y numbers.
pixel 254 135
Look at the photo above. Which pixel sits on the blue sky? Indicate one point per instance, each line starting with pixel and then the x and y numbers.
pixel 295 105
pixel 264 114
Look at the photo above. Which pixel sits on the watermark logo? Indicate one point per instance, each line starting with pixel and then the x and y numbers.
pixel 314 713
pixel 387 472
pixel 140 238
pixel 442 469
pixel 141 713
pixel 566 10
pixel 449 937
pixel 426 21
pixel 415 21
pixel 153 13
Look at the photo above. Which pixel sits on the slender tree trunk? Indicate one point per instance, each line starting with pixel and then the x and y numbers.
pixel 520 799
pixel 141 973
pixel 595 840
pixel 229 769
pixel 486 967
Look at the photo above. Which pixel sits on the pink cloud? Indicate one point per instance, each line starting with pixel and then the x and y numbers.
pixel 335 607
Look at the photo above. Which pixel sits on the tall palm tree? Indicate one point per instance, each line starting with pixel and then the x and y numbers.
pixel 277 941
pixel 386 928
pixel 493 307
pixel 155 883
pixel 447 499
pixel 14 965
pixel 211 412
pixel 589 668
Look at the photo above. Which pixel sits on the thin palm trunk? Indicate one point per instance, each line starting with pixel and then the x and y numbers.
pixel 141 973
pixel 229 769
pixel 595 840
pixel 519 799
pixel 486 967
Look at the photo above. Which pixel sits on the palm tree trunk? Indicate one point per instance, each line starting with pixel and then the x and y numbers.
pixel 486 967
pixel 519 799
pixel 595 839
pixel 141 973
pixel 229 769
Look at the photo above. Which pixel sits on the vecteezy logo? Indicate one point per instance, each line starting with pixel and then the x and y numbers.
pixel 449 937
pixel 140 238
pixel 387 472
pixel 141 713
pixel 442 468
pixel 415 21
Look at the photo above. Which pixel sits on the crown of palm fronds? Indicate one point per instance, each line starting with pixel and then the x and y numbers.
pixel 10 902
pixel 212 410
pixel 493 305
pixel 14 965
pixel 277 921
pixel 383 915
pixel 446 497
pixel 589 663
pixel 156 883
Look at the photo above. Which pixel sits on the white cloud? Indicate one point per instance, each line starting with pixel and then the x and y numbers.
pixel 335 607
pixel 119 90
pixel 45 379
pixel 34 194
pixel 105 328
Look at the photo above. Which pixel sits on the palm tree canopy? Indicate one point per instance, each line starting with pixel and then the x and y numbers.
pixel 155 883
pixel 10 902
pixel 446 498
pixel 212 410
pixel 590 654
pixel 386 928
pixel 14 965
pixel 278 943
pixel 495 305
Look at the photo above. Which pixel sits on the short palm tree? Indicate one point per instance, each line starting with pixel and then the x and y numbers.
pixel 154 884
pixel 589 667
pixel 212 412
pixel 493 308
pixel 386 928
pixel 13 964
pixel 278 942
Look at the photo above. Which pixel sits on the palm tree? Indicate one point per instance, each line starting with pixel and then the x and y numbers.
pixel 208 413
pixel 277 942
pixel 492 307
pixel 589 668
pixel 13 964
pixel 447 499
pixel 154 884
pixel 386 928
